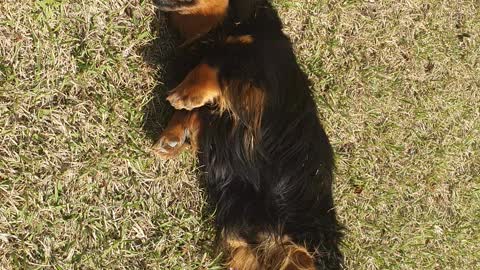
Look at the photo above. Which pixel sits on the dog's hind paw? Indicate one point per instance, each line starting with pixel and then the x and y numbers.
pixel 169 145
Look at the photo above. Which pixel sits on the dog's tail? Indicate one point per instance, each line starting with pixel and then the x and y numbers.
pixel 268 253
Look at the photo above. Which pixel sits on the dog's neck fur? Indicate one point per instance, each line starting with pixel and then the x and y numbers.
pixel 197 22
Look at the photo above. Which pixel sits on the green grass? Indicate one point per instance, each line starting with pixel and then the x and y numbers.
pixel 398 89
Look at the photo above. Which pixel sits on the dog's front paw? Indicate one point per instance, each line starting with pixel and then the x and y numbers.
pixel 182 99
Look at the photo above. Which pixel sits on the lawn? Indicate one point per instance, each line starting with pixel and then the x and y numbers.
pixel 397 85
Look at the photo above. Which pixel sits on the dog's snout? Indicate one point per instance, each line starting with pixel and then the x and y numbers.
pixel 171 5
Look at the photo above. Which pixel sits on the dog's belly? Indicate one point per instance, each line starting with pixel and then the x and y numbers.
pixel 271 188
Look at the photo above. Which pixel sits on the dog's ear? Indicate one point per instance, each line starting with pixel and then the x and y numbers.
pixel 243 9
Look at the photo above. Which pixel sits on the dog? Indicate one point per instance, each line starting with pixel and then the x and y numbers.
pixel 247 110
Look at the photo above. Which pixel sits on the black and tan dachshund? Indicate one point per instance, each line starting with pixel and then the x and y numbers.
pixel 247 109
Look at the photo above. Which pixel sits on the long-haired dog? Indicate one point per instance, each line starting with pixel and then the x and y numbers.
pixel 247 109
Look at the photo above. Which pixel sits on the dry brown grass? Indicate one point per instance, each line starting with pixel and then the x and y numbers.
pixel 397 86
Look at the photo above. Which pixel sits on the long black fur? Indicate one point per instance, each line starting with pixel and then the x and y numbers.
pixel 284 185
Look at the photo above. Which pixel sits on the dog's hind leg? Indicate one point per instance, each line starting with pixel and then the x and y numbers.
pixel 184 125
pixel 240 254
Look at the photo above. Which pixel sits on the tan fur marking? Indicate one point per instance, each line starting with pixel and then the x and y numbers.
pixel 200 87
pixel 241 256
pixel 183 124
pixel 271 253
pixel 249 107
pixel 193 22
pixel 194 127
pixel 245 39
pixel 283 254
pixel 298 258
pixel 207 7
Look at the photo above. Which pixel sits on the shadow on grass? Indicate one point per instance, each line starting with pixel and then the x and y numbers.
pixel 172 65
pixel 159 54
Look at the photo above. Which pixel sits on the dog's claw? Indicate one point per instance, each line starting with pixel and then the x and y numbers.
pixel 169 145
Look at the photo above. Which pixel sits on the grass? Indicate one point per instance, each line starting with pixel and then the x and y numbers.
pixel 398 89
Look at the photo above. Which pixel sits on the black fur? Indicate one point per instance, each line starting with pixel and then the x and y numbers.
pixel 284 185
pixel 172 5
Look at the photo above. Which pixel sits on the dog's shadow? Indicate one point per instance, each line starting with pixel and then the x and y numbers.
pixel 172 64
pixel 158 54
